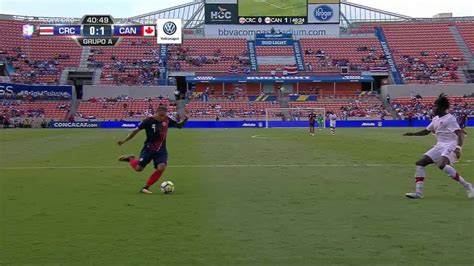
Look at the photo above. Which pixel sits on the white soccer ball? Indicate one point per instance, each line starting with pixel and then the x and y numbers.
pixel 167 187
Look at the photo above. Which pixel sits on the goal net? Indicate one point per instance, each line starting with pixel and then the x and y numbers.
pixel 292 117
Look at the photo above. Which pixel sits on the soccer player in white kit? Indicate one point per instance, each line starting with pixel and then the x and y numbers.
pixel 332 122
pixel 445 152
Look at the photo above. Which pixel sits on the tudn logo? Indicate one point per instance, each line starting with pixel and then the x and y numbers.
pixel 323 13
pixel 170 28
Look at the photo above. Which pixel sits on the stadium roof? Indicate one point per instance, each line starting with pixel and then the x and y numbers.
pixel 192 14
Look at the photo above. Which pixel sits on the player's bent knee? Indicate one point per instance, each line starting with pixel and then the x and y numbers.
pixel 444 162
pixel 421 163
pixel 161 167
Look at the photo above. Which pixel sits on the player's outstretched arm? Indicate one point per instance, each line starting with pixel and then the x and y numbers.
pixel 424 132
pixel 129 137
pixel 180 124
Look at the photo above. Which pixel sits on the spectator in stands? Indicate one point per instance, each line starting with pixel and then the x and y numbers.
pixel 388 98
pixel 320 54
pixel 5 121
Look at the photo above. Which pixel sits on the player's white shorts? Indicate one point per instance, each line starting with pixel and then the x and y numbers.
pixel 332 124
pixel 439 151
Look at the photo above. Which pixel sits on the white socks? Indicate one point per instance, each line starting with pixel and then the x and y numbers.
pixel 420 171
pixel 420 178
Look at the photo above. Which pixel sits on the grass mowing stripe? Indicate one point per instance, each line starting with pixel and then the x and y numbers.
pixel 216 166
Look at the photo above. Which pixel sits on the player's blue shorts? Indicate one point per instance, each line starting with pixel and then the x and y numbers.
pixel 147 155
pixel 462 125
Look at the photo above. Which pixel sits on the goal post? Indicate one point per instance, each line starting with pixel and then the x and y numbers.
pixel 292 117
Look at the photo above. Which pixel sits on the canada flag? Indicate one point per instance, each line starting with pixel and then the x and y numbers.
pixel 149 31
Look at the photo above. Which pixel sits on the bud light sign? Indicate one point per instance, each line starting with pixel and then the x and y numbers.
pixel 328 13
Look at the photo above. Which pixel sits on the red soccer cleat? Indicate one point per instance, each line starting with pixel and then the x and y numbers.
pixel 126 158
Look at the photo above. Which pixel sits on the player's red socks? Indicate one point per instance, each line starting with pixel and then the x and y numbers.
pixel 154 177
pixel 134 163
pixel 456 177
pixel 419 181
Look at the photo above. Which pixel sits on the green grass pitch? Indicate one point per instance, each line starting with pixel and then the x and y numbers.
pixel 274 8
pixel 281 198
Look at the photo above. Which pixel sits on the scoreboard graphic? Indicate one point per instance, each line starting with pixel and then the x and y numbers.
pixel 98 30
pixel 272 12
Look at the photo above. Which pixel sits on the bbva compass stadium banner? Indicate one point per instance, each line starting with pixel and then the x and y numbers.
pixel 249 31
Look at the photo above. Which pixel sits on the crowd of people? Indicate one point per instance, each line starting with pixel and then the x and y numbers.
pixel 14 109
pixel 372 59
pixel 417 110
pixel 218 111
pixel 27 70
pixel 21 122
pixel 178 54
pixel 356 109
pixel 418 68
pixel 130 72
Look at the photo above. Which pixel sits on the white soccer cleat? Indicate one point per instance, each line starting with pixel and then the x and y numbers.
pixel 145 191
pixel 414 195
pixel 470 193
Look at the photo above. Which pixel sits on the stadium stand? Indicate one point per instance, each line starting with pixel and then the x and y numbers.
pixel 34 109
pixel 135 61
pixel 120 108
pixel 274 51
pixel 209 55
pixel 206 110
pixel 364 107
pixel 36 60
pixel 467 31
pixel 359 54
pixel 421 108
pixel 422 56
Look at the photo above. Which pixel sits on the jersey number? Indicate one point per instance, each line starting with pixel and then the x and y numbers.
pixel 154 128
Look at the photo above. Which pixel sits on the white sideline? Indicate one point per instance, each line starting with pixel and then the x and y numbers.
pixel 217 166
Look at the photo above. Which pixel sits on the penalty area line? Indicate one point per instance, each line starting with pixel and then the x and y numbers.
pixel 217 166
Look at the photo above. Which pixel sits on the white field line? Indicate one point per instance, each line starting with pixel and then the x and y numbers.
pixel 260 137
pixel 218 166
pixel 279 7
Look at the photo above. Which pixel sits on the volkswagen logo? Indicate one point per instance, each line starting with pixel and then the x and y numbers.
pixel 170 28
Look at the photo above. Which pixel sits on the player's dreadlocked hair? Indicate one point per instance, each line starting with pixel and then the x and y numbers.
pixel 442 101
pixel 162 108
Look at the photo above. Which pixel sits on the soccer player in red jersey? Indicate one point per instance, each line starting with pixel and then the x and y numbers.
pixel 312 123
pixel 462 120
pixel 156 128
